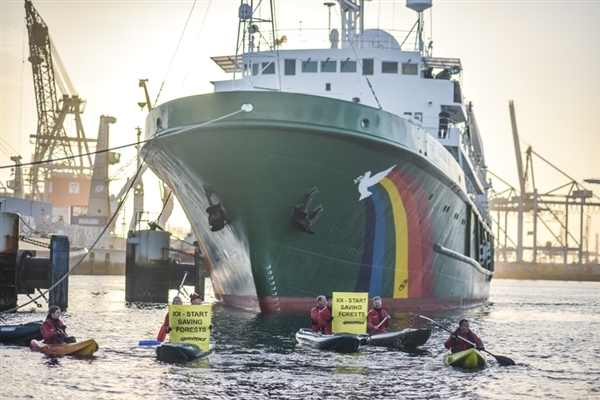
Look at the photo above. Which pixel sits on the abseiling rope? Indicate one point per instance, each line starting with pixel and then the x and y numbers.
pixel 246 107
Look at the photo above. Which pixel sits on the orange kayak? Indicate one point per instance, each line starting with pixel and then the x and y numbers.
pixel 85 348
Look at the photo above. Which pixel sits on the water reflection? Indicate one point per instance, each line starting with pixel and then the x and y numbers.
pixel 351 370
pixel 257 356
pixel 52 361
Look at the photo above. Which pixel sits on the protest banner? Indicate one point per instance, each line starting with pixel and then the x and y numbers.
pixel 349 311
pixel 190 324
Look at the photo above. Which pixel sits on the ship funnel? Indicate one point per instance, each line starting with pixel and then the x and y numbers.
pixel 418 5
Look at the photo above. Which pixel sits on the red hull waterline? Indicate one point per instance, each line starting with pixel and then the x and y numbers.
pixel 290 305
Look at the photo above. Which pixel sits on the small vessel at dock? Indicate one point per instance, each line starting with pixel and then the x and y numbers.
pixel 408 338
pixel 338 342
pixel 85 348
pixel 20 334
pixel 182 352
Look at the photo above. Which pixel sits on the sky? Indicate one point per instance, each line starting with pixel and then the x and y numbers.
pixel 543 55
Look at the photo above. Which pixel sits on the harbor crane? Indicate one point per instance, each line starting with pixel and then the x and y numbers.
pixel 551 225
pixel 51 138
pixel 52 141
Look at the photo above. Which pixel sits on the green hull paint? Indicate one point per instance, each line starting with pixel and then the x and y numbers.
pixel 258 165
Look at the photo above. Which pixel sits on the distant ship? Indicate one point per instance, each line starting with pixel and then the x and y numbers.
pixel 356 167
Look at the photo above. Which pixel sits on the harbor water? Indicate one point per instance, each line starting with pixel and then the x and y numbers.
pixel 549 328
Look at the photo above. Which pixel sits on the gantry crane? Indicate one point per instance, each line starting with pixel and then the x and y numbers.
pixel 51 139
pixel 549 216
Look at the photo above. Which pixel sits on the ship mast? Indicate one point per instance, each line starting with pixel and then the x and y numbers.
pixel 351 13
pixel 250 36
pixel 419 6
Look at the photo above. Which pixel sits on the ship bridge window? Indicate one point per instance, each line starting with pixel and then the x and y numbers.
pixel 268 68
pixel 410 68
pixel 309 66
pixel 419 116
pixel 389 67
pixel 290 67
pixel 328 66
pixel 348 66
pixel 254 69
pixel 368 66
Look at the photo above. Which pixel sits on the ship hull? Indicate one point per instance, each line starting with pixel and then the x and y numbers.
pixel 395 219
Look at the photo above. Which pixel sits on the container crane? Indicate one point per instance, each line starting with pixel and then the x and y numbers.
pixel 51 139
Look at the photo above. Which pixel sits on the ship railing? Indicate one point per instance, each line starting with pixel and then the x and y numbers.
pixel 318 38
pixel 448 136
pixel 431 125
pixel 476 162
pixel 479 204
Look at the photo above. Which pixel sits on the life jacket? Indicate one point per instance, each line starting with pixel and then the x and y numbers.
pixel 325 321
pixel 457 345
pixel 374 318
pixel 314 318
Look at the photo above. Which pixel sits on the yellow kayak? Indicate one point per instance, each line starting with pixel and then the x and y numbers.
pixel 85 348
pixel 469 358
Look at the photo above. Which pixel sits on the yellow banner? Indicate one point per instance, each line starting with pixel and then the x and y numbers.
pixel 190 324
pixel 349 312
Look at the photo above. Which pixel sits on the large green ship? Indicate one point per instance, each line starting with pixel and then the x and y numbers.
pixel 354 168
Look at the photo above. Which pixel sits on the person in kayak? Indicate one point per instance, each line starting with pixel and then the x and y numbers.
pixel 53 330
pixel 195 298
pixel 325 317
pixel 164 329
pixel 314 313
pixel 456 344
pixel 378 320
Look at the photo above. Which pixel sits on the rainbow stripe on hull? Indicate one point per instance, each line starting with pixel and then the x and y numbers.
pixel 409 223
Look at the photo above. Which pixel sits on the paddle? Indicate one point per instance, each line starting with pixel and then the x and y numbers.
pixel 149 343
pixel 182 282
pixel 162 333
pixel 503 361
pixel 377 327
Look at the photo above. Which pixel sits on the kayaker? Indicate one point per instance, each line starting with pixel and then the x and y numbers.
pixel 195 298
pixel 456 344
pixel 53 330
pixel 325 317
pixel 376 316
pixel 164 329
pixel 314 313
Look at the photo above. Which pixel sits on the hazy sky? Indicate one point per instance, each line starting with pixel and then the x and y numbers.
pixel 544 55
